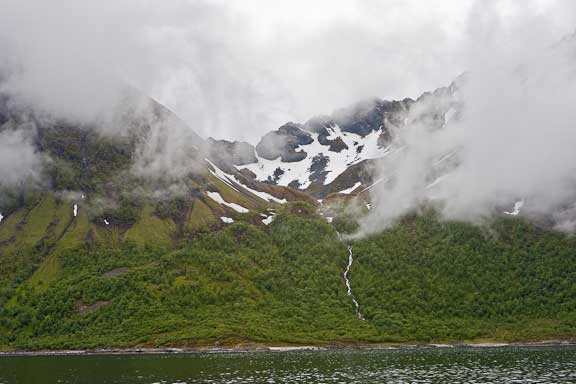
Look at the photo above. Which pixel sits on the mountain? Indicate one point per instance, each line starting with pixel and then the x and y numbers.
pixel 136 232
pixel 333 154
pixel 143 177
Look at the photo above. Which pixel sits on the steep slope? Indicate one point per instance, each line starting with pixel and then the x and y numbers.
pixel 143 178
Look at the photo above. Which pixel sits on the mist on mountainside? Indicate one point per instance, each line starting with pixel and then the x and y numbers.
pixel 235 72
pixel 506 140
pixel 227 175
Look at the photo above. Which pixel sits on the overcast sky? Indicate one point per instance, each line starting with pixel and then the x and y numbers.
pixel 238 68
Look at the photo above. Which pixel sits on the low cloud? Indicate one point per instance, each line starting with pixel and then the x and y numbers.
pixel 18 158
pixel 236 69
pixel 166 149
pixel 509 138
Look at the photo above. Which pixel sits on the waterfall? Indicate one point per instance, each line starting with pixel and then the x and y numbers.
pixel 347 279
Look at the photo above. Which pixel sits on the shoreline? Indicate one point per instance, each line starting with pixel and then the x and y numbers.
pixel 365 347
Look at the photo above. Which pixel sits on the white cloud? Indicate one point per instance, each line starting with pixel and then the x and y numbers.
pixel 18 158
pixel 236 69
pixel 513 139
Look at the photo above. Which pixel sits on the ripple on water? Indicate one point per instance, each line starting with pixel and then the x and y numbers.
pixel 500 365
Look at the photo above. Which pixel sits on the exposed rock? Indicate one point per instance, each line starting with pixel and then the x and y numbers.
pixel 371 115
pixel 320 125
pixel 317 170
pixel 283 143
pixel 277 173
pixel 338 145
pixel 247 173
pixel 359 172
pixel 294 184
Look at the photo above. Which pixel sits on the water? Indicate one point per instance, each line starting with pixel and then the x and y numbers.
pixel 347 280
pixel 505 365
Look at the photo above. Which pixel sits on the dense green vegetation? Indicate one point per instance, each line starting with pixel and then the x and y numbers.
pixel 427 280
pixel 421 281
pixel 81 159
pixel 241 283
pixel 149 261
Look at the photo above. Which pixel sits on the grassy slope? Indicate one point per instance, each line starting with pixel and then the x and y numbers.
pixel 419 282
pixel 242 283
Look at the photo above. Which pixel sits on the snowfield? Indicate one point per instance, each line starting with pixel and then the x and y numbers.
pixel 284 173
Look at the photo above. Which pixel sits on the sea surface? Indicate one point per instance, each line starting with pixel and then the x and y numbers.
pixel 455 365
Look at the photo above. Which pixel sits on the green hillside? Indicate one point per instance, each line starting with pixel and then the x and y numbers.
pixel 95 254
pixel 247 283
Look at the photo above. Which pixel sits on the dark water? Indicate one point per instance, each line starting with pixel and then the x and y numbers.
pixel 513 365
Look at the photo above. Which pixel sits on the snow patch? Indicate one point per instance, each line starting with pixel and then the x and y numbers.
pixel 106 222
pixel 268 220
pixel 351 189
pixel 229 179
pixel 220 200
pixel 221 175
pixel 75 210
pixel 517 206
pixel 227 220
pixel 329 219
pixel 1 217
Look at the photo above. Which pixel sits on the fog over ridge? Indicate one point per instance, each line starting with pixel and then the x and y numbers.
pixel 233 70
pixel 511 140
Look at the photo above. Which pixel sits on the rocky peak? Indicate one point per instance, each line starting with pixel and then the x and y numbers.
pixel 283 143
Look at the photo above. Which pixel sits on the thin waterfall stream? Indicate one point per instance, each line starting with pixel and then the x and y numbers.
pixel 347 279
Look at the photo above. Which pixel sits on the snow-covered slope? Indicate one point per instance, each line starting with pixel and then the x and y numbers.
pixel 321 165
pixel 332 154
